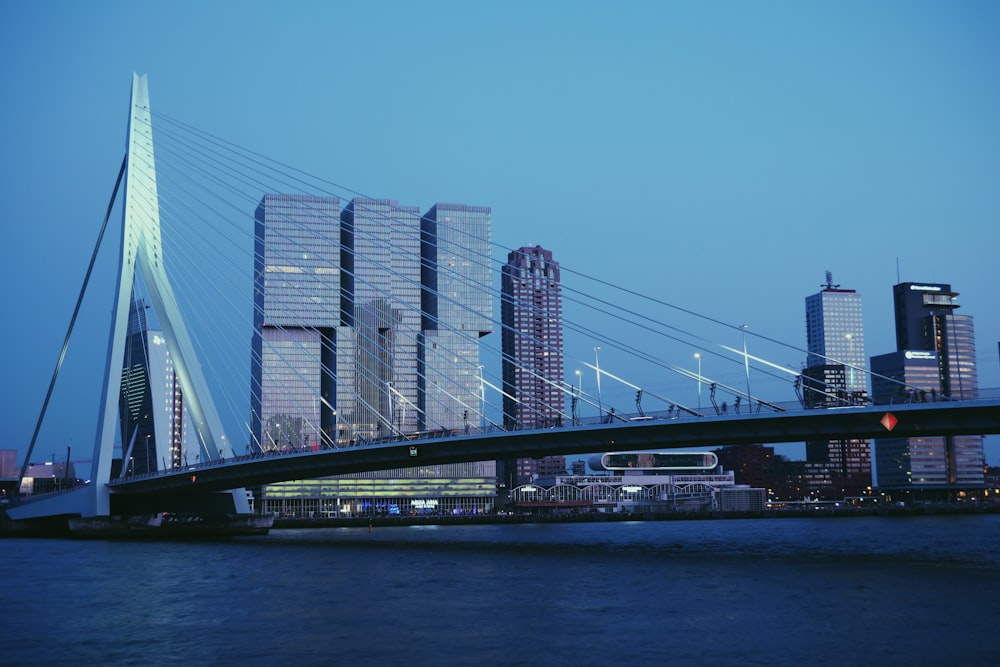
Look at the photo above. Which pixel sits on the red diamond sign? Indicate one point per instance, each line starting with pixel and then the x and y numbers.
pixel 889 421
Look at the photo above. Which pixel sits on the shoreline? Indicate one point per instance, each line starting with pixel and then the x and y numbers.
pixel 57 527
pixel 603 517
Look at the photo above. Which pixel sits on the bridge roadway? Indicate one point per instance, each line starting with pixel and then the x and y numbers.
pixel 923 419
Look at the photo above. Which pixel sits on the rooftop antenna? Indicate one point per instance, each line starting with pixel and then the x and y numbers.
pixel 829 281
pixel 897 270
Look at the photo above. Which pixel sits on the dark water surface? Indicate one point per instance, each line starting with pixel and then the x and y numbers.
pixel 843 591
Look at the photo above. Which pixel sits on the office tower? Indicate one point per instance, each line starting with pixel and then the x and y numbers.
pixel 835 334
pixel 935 361
pixel 367 321
pixel 926 320
pixel 532 345
pixel 381 281
pixel 835 376
pixel 151 406
pixel 297 316
pixel 457 308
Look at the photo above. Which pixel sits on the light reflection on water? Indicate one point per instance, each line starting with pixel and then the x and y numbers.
pixel 916 590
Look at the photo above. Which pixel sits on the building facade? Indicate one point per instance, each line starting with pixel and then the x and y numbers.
pixel 935 361
pixel 532 346
pixel 457 307
pixel 835 376
pixel 367 321
pixel 835 333
pixel 297 319
pixel 642 482
pixel 152 415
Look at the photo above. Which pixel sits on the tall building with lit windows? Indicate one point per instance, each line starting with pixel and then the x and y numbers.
pixel 152 414
pixel 297 319
pixel 457 305
pixel 381 286
pixel 835 375
pixel 532 345
pixel 935 360
pixel 367 322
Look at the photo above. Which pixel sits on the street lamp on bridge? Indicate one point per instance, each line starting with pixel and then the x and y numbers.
pixel 482 400
pixel 576 398
pixel 746 364
pixel 597 369
pixel 697 355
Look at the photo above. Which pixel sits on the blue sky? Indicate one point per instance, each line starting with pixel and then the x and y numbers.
pixel 721 156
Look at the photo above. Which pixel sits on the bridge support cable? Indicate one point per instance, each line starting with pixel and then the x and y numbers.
pixel 241 313
pixel 334 261
pixel 72 323
pixel 640 391
pixel 259 169
pixel 201 259
pixel 526 369
pixel 307 183
pixel 141 254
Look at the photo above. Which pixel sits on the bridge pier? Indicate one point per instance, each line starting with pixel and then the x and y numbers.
pixel 162 515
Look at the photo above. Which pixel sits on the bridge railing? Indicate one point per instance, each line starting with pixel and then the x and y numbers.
pixel 792 407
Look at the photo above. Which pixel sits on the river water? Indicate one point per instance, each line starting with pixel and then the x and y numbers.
pixel 824 591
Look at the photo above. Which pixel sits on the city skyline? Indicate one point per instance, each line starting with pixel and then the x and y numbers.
pixel 693 156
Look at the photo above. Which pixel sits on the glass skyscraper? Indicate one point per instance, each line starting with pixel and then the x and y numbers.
pixel 297 316
pixel 381 278
pixel 152 414
pixel 835 333
pixel 935 360
pixel 458 310
pixel 835 376
pixel 367 321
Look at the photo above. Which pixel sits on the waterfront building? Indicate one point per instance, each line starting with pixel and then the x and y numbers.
pixel 297 321
pixel 360 313
pixel 935 360
pixel 835 375
pixel 381 287
pixel 642 482
pixel 457 308
pixel 752 465
pixel 532 346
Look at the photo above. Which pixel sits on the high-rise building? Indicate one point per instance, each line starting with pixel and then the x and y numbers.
pixel 152 414
pixel 381 279
pixel 935 361
pixel 835 333
pixel 532 345
pixel 457 308
pixel 367 326
pixel 926 320
pixel 835 376
pixel 297 319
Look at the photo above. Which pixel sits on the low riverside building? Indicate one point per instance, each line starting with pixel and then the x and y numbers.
pixel 642 482
pixel 450 489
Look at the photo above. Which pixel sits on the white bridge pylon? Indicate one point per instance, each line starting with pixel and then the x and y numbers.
pixel 141 251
